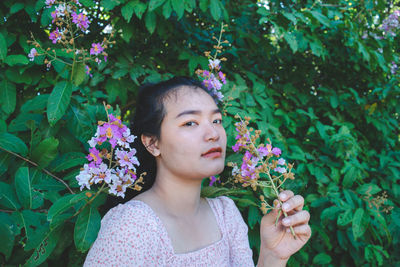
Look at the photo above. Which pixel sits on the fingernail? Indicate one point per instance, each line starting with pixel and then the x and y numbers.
pixel 282 196
pixel 286 221
pixel 285 206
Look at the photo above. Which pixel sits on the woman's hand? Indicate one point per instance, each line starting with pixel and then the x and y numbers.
pixel 277 242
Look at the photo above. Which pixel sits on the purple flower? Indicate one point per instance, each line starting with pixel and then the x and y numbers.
pixel 213 179
pixel 222 77
pixel 276 151
pixel 32 54
pixel 81 20
pixel 55 36
pixel 88 69
pixel 94 155
pixel 96 49
pixel 393 67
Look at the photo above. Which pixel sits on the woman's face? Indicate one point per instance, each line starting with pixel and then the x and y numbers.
pixel 192 143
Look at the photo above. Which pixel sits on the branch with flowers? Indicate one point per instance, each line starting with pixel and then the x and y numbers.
pixel 261 169
pixel 69 23
pixel 111 159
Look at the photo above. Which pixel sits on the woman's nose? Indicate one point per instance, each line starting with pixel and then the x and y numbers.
pixel 211 132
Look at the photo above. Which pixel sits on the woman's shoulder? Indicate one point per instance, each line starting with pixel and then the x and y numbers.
pixel 132 213
pixel 225 207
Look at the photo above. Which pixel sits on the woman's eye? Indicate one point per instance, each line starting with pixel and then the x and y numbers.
pixel 218 121
pixel 190 123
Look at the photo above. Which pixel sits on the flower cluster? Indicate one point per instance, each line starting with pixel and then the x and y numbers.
pixel 393 68
pixel 111 159
pixel 261 165
pixel 213 78
pixel 213 81
pixel 391 23
pixel 69 20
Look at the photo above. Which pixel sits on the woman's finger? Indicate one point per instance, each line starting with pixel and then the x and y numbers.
pixel 294 203
pixel 299 218
pixel 304 229
pixel 285 195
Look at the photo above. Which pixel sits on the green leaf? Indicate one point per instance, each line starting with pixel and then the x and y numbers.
pixel 88 3
pixel 321 18
pixel 358 225
pixel 150 21
pixel 179 7
pixel 39 102
pixel 369 189
pixel 153 4
pixel 127 10
pixel 78 73
pixel 12 60
pixel 140 8
pixel 8 96
pixel 110 4
pixel 87 227
pixel 167 9
pixel 322 258
pixel 16 7
pixel 253 217
pixel 23 187
pixel 345 218
pixel 3 47
pixel 13 143
pixel 79 125
pixel 291 40
pixel 6 235
pixel 215 9
pixel 203 5
pixel 68 160
pixel 64 204
pixel 58 101
pixel 45 152
pixel 8 198
pixel 45 248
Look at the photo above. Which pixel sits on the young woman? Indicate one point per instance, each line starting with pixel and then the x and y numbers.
pixel 181 140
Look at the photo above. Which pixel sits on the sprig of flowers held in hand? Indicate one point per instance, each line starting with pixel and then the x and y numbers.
pixel 262 165
pixel 69 23
pixel 213 79
pixel 112 161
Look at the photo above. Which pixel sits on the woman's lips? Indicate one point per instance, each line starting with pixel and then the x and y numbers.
pixel 215 152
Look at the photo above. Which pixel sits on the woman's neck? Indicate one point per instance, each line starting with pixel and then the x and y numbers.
pixel 178 197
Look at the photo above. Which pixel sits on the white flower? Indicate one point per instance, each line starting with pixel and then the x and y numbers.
pixel 84 177
pixel 280 169
pixel 281 161
pixel 214 63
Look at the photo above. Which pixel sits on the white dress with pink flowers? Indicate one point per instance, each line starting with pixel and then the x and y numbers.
pixel 132 234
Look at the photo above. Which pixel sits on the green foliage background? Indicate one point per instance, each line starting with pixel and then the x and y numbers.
pixel 302 70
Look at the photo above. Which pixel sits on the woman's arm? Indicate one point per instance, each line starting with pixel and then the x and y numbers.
pixel 277 242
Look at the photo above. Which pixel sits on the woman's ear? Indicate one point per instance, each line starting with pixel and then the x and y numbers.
pixel 151 144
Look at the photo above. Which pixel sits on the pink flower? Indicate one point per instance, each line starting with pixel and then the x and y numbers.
pixel 281 161
pixel 55 36
pixel 127 159
pixel 81 20
pixel 96 49
pixel 32 54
